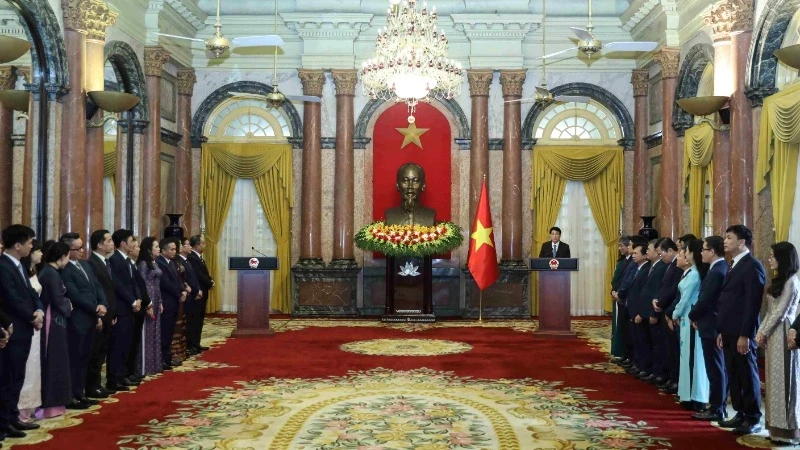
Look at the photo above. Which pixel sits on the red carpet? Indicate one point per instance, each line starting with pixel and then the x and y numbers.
pixel 314 353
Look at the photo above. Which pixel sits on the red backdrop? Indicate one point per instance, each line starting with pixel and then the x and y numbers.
pixel 434 157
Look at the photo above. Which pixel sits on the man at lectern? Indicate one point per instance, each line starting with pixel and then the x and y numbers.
pixel 555 248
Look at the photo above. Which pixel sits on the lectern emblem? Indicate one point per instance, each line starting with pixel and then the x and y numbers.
pixel 408 270
pixel 254 263
pixel 554 264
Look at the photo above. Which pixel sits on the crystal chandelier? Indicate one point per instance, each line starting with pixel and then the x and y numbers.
pixel 410 63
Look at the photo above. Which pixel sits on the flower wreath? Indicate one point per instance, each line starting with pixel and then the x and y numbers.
pixel 409 240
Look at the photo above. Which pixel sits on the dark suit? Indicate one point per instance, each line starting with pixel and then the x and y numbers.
pixel 561 252
pixel 102 271
pixel 641 343
pixel 86 294
pixel 197 313
pixel 20 302
pixel 171 289
pixel 667 299
pixel 622 292
pixel 657 347
pixel 704 314
pixel 738 308
pixel 127 291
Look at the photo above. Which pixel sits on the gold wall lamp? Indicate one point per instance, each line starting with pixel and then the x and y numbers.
pixel 109 101
pixel 789 55
pixel 705 106
pixel 12 48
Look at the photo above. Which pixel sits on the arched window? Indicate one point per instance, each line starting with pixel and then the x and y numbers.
pixel 246 119
pixel 577 121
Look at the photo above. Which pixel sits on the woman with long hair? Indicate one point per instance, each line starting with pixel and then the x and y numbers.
pixel 782 365
pixel 693 384
pixel 150 360
pixel 56 385
pixel 31 396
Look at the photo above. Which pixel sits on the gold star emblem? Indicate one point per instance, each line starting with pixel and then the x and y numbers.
pixel 482 236
pixel 412 134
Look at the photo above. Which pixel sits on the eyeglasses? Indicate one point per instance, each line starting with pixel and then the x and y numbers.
pixel 76 249
pixel 706 249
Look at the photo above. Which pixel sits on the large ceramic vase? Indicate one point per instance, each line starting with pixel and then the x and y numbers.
pixel 647 231
pixel 174 229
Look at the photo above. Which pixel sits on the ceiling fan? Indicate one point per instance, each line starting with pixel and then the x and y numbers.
pixel 276 97
pixel 219 44
pixel 543 95
pixel 589 46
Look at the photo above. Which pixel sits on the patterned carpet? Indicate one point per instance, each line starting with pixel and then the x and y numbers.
pixel 361 384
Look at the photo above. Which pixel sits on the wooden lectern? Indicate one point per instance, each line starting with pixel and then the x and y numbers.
pixel 554 296
pixel 409 286
pixel 253 295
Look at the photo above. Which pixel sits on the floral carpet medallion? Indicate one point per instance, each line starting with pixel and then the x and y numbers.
pixel 406 347
pixel 380 409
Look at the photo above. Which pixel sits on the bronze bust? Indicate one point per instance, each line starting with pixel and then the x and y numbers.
pixel 410 183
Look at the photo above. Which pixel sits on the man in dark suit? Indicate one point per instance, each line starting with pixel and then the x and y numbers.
pixel 190 278
pixel 737 323
pixel 102 247
pixel 129 301
pixel 88 308
pixel 704 319
pixel 22 306
pixel 194 321
pixel 652 345
pixel 620 296
pixel 554 248
pixel 632 298
pixel 138 316
pixel 665 300
pixel 172 294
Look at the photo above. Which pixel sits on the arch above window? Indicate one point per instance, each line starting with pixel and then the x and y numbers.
pixel 247 119
pixel 577 121
pixel 783 73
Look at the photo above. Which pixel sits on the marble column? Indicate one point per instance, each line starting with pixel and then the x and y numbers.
pixel 99 17
pixel 183 156
pixel 479 82
pixel 7 81
pixel 671 205
pixel 311 195
pixel 150 225
pixel 345 82
pixel 27 160
pixel 511 82
pixel 740 209
pixel 73 148
pixel 641 84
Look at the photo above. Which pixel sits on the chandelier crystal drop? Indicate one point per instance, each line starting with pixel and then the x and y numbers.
pixel 411 63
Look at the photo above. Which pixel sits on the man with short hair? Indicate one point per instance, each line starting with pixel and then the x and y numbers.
pixel 22 305
pixel 88 307
pixel 102 246
pixel 190 278
pixel 663 305
pixel 129 301
pixel 194 321
pixel 703 317
pixel 554 248
pixel 172 295
pixel 651 345
pixel 631 295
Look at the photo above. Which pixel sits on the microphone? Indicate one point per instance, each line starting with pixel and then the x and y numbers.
pixel 254 249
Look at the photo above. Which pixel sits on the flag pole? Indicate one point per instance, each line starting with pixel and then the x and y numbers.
pixel 480 306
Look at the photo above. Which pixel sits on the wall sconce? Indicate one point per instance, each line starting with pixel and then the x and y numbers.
pixel 15 100
pixel 12 48
pixel 789 55
pixel 704 106
pixel 109 101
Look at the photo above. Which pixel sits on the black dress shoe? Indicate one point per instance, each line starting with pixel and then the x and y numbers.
pixel 192 351
pixel 733 422
pixel 116 387
pixel 97 393
pixel 167 367
pixel 89 401
pixel 175 363
pixel 77 404
pixel 12 432
pixel 643 374
pixel 23 426
pixel 747 428
pixel 708 415
pixel 128 382
pixel 202 349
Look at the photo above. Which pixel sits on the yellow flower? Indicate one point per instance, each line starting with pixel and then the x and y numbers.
pixel 441 413
pixel 433 446
pixel 403 427
pixel 357 415
pixel 621 434
pixel 398 445
pixel 177 430
pixel 391 436
pixel 325 440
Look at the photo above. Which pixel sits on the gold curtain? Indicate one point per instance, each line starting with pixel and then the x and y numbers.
pixel 110 161
pixel 601 169
pixel 698 170
pixel 270 168
pixel 777 154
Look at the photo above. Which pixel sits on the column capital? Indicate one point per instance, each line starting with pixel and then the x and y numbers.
pixel 313 81
pixel 727 16
pixel 154 59
pixel 186 81
pixel 7 77
pixel 344 80
pixel 512 81
pixel 479 81
pixel 91 17
pixel 640 79
pixel 669 60
pixel 25 72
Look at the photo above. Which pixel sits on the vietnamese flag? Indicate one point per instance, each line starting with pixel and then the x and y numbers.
pixel 482 256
